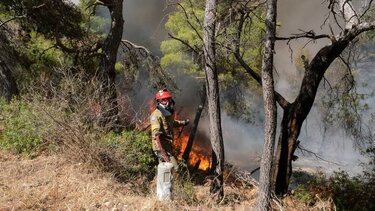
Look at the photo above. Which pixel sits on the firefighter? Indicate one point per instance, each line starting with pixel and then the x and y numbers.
pixel 162 124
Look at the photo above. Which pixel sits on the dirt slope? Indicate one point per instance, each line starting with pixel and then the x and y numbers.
pixel 54 183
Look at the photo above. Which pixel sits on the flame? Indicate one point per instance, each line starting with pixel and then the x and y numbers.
pixel 198 155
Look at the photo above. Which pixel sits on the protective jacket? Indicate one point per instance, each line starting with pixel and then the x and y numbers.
pixel 162 123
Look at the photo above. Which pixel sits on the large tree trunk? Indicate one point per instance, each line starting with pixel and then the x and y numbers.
pixel 213 97
pixel 108 60
pixel 270 110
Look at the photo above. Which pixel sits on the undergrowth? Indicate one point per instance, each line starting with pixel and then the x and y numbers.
pixel 347 193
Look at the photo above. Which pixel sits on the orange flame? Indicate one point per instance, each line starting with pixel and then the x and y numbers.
pixel 198 155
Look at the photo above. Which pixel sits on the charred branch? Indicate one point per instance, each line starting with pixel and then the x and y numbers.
pixel 310 34
pixel 197 117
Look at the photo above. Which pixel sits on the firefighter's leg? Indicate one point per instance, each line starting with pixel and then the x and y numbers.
pixel 174 162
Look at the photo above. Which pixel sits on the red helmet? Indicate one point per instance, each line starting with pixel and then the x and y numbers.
pixel 162 94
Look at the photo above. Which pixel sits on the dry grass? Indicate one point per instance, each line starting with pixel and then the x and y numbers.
pixel 55 183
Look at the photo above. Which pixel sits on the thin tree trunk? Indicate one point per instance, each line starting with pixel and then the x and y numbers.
pixel 270 110
pixel 213 97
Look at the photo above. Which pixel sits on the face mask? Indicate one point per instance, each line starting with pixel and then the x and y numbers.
pixel 168 105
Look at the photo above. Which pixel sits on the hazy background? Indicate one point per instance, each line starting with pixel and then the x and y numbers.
pixel 144 25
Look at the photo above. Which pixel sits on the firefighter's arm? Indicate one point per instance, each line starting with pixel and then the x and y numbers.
pixel 179 123
pixel 155 126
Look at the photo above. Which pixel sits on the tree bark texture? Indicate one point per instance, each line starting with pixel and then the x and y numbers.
pixel 213 100
pixel 270 110
pixel 108 59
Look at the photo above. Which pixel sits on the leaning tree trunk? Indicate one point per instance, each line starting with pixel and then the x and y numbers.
pixel 270 111
pixel 213 100
pixel 108 60
pixel 194 129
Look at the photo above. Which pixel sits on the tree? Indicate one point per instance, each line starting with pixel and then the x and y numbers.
pixel 185 49
pixel 270 110
pixel 213 101
pixel 295 113
pixel 30 51
pixel 109 54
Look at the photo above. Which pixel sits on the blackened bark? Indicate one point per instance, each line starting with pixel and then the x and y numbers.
pixel 197 117
pixel 295 114
pixel 108 60
pixel 213 100
pixel 270 111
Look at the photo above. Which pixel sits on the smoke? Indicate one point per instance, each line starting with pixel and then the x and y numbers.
pixel 333 146
pixel 144 25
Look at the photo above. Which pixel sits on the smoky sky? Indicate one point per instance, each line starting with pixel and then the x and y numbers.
pixel 144 25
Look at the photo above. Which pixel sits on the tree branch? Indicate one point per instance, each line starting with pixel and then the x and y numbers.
pixel 10 19
pixel 184 42
pixel 190 24
pixel 310 34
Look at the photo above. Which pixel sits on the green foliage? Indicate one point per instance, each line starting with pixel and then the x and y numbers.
pixel 40 58
pixel 134 149
pixel 186 24
pixel 348 193
pixel 119 68
pixel 352 193
pixel 22 132
pixel 94 20
pixel 52 18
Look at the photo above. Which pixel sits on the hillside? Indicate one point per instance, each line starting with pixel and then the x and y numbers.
pixel 52 182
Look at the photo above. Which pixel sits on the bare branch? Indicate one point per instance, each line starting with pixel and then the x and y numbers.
pixel 367 9
pixel 138 47
pixel 10 19
pixel 310 34
pixel 185 43
pixel 188 21
pixel 315 154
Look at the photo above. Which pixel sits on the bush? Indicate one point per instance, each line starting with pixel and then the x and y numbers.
pixel 347 193
pixel 22 130
pixel 133 151
pixel 352 193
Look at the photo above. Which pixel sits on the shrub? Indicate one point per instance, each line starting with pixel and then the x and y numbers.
pixel 347 193
pixel 22 130
pixel 352 193
pixel 133 151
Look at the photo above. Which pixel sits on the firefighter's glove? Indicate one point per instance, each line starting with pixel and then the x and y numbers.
pixel 186 122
